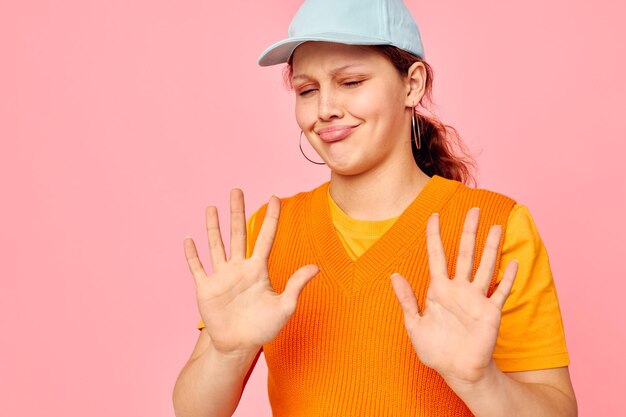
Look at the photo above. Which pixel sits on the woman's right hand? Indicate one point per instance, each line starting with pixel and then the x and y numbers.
pixel 239 308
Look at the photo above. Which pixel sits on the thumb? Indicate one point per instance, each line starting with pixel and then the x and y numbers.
pixel 405 296
pixel 294 286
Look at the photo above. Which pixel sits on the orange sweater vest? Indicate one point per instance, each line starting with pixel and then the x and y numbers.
pixel 345 352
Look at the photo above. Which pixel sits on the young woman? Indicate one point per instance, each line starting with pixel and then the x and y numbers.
pixel 393 289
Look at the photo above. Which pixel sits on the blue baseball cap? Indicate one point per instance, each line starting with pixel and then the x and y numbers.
pixel 352 22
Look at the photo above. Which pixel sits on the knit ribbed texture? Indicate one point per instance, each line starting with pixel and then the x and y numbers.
pixel 345 351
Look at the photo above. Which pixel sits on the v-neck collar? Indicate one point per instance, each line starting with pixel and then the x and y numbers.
pixel 350 274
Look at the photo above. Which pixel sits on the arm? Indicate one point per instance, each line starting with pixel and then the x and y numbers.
pixel 240 312
pixel 211 383
pixel 456 332
pixel 544 392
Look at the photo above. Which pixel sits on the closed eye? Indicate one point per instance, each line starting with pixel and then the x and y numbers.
pixel 347 84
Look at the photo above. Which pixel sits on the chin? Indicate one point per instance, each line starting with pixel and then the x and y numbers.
pixel 346 169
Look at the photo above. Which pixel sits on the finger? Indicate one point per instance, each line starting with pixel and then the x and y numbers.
pixel 195 266
pixel 214 236
pixel 265 239
pixel 237 225
pixel 436 253
pixel 405 296
pixel 295 285
pixel 467 246
pixel 501 293
pixel 484 274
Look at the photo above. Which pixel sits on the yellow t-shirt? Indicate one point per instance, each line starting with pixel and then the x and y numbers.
pixel 531 334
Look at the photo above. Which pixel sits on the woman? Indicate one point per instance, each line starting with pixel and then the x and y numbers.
pixel 388 312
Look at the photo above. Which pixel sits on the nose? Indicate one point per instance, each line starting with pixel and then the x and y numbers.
pixel 329 105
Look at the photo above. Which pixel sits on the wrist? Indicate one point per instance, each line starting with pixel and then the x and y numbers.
pixel 485 384
pixel 233 356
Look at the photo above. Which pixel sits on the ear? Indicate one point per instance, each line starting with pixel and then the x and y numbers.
pixel 416 83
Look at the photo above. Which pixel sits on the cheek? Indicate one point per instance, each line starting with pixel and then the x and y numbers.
pixel 303 114
pixel 375 103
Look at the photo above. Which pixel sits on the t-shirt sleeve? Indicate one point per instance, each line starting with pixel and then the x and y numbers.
pixel 531 334
pixel 250 246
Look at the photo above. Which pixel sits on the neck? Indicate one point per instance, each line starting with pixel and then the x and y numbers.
pixel 380 194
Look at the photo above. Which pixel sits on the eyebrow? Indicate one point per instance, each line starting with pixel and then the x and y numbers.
pixel 333 72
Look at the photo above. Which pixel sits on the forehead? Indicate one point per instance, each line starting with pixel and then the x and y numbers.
pixel 327 57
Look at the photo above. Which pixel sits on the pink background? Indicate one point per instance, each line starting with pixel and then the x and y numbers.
pixel 121 120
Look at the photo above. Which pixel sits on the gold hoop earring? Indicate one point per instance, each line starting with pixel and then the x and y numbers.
pixel 310 160
pixel 416 135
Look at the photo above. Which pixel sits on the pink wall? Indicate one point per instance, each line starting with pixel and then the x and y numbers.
pixel 121 120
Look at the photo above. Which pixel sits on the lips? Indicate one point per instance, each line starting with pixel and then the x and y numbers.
pixel 335 133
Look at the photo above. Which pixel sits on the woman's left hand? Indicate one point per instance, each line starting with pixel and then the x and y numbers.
pixel 456 332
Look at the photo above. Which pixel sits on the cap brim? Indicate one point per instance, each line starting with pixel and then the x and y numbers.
pixel 280 52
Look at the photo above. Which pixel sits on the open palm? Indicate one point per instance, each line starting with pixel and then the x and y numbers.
pixel 240 309
pixel 457 330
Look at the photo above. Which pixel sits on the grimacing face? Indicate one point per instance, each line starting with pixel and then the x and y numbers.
pixel 352 104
